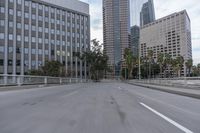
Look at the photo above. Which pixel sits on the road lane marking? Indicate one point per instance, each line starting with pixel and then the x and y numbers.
pixel 167 119
pixel 72 93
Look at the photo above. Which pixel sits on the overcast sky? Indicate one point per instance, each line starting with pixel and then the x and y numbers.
pixel 162 8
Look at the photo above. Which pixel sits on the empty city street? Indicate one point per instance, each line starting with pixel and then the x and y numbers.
pixel 97 108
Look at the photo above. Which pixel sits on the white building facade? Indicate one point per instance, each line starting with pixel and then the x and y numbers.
pixel 170 34
pixel 34 31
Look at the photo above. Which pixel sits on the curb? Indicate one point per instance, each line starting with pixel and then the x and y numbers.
pixel 196 96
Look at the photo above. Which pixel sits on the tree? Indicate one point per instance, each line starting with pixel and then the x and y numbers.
pixel 150 60
pixel 189 65
pixel 160 62
pixel 51 68
pixel 177 65
pixel 96 60
pixel 128 56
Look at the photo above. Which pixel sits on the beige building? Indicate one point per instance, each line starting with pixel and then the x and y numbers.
pixel 170 34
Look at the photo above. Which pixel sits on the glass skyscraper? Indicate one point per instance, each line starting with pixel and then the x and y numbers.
pixel 147 14
pixel 116 29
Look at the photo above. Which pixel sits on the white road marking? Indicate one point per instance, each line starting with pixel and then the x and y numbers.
pixel 167 119
pixel 119 88
pixel 72 93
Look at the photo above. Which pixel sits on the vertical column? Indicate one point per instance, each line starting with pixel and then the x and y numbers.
pixel 22 40
pixel 6 44
pixel 80 47
pixel 66 44
pixel 61 35
pixel 71 51
pixel 30 36
pixel 37 37
pixel 55 36
pixel 43 35
pixel 14 37
pixel 75 27
pixel 84 36
pixel 49 33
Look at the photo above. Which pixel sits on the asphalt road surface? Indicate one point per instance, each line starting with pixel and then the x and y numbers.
pixel 97 108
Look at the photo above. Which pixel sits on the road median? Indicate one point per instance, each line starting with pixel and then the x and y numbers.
pixel 174 90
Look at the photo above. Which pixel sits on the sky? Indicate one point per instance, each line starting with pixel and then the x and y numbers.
pixel 162 8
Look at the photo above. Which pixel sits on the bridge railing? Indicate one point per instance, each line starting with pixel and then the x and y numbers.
pixel 189 82
pixel 18 80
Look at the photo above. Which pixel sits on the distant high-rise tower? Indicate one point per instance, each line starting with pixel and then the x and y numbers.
pixel 135 37
pixel 147 14
pixel 116 29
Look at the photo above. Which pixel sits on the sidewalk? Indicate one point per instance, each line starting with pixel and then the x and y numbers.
pixel 194 93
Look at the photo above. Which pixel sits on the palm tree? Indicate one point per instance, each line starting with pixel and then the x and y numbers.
pixel 130 61
pixel 167 63
pixel 160 62
pixel 189 65
pixel 150 59
pixel 177 65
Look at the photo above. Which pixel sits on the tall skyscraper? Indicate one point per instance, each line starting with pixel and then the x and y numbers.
pixel 135 40
pixel 116 29
pixel 147 14
pixel 33 31
pixel 168 35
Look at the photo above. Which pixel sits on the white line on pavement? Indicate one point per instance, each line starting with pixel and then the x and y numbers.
pixel 167 119
pixel 72 93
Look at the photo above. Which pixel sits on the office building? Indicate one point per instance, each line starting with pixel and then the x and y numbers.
pixel 116 30
pixel 170 34
pixel 33 31
pixel 147 14
pixel 135 40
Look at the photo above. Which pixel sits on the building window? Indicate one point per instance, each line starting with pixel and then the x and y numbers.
pixel 10 49
pixel 26 27
pixel 26 50
pixel 52 31
pixel 46 8
pixel 33 39
pixel 40 51
pixel 1 62
pixel 1 49
pixel 33 16
pixel 26 63
pixel 33 28
pixel 26 3
pixel 18 62
pixel 11 11
pixel 19 1
pixel 46 30
pixel 33 51
pixel 18 38
pixel 2 23
pixel 26 15
pixel 40 18
pixel 18 50
pixel 40 7
pixel 10 24
pixel 33 63
pixel 2 9
pixel 58 42
pixel 10 63
pixel 10 37
pixel 33 5
pixel 40 29
pixel 19 25
pixel 19 13
pixel 46 52
pixel 46 41
pixel 2 36
pixel 40 40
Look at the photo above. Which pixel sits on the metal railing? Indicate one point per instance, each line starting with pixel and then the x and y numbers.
pixel 18 80
pixel 189 82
